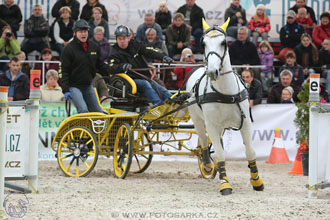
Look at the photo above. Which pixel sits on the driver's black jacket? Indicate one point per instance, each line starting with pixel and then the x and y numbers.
pixel 133 54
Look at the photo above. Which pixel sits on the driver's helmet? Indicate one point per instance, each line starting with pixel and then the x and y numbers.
pixel 122 30
pixel 80 25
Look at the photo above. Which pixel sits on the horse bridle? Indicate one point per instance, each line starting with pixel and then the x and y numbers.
pixel 216 28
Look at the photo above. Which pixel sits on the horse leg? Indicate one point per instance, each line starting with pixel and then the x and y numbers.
pixel 225 187
pixel 203 140
pixel 255 180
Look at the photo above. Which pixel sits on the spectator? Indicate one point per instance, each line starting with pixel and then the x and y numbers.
pixel 294 68
pixel 11 13
pixel 9 46
pixel 87 10
pixel 149 22
pixel 275 94
pixel 62 30
pixel 324 62
pixel 290 34
pixel 154 43
pixel 46 55
pixel 97 21
pixel 178 35
pixel 18 82
pixel 80 60
pixel 266 56
pixel 307 54
pixel 128 54
pixel 163 16
pixel 254 87
pixel 74 5
pixel 302 4
pixel 187 57
pixel 35 32
pixel 101 88
pixel 104 45
pixel 237 16
pixel 259 24
pixel 51 91
pixel 193 15
pixel 322 31
pixel 25 67
pixel 286 96
pixel 305 20
pixel 244 52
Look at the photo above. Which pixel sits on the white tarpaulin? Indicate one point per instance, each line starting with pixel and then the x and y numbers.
pixel 131 13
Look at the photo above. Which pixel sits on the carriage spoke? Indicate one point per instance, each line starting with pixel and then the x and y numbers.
pixel 90 153
pixel 66 156
pixel 81 134
pixel 90 140
pixel 137 161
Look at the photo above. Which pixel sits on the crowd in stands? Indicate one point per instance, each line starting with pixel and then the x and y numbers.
pixel 304 49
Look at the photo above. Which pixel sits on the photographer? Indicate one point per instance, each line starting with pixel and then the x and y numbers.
pixel 9 46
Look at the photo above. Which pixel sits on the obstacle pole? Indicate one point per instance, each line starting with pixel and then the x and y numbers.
pixel 314 97
pixel 34 129
pixel 3 120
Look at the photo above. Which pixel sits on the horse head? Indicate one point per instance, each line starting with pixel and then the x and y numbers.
pixel 214 44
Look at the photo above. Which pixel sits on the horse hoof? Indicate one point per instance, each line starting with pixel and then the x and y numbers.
pixel 259 188
pixel 226 192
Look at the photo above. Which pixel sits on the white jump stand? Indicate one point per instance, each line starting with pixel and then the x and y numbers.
pixel 319 143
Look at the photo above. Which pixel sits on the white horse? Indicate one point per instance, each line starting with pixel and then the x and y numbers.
pixel 222 104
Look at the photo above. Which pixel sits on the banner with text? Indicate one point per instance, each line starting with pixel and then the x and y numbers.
pixel 266 119
pixel 132 13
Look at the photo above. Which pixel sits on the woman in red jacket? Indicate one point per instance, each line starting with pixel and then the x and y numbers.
pixel 259 24
pixel 187 57
pixel 322 31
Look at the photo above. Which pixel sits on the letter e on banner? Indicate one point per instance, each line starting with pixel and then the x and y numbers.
pixel 314 88
pixel 35 79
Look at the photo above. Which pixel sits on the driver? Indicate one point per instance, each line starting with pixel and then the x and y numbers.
pixel 128 54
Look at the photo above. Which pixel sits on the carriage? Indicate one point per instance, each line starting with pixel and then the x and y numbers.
pixel 128 137
pixel 218 101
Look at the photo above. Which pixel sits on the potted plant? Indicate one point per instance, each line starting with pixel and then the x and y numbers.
pixel 302 122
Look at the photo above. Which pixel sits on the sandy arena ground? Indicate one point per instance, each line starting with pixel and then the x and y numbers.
pixel 172 190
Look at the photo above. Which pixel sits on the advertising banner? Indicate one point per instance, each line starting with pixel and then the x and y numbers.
pixel 131 13
pixel 266 119
pixel 17 141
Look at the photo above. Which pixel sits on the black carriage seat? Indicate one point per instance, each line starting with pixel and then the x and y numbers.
pixel 123 88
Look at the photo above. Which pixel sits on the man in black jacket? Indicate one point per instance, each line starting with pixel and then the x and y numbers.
pixel 193 15
pixel 254 87
pixel 244 52
pixel 35 32
pixel 81 59
pixel 302 4
pixel 17 81
pixel 127 54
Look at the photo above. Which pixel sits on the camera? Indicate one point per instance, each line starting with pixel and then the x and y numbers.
pixel 188 55
pixel 8 34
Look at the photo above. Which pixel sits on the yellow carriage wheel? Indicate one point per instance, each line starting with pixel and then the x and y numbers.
pixel 122 152
pixel 77 152
pixel 141 161
pixel 207 172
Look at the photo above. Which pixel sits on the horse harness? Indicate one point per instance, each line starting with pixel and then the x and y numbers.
pixel 218 97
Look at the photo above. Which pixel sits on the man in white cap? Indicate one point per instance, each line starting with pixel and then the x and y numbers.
pixel 290 34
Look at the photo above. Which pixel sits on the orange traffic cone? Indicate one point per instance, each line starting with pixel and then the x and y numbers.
pixel 278 153
pixel 297 165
